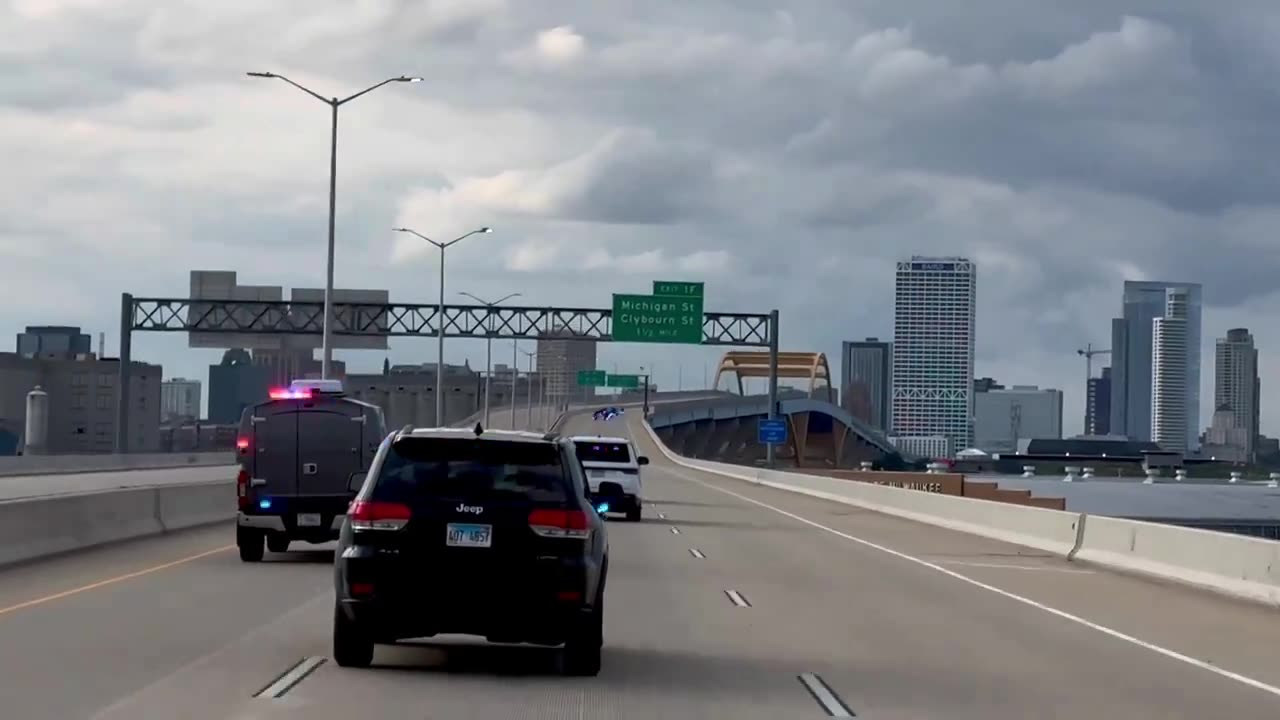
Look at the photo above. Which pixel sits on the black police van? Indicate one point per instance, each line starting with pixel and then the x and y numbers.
pixel 296 452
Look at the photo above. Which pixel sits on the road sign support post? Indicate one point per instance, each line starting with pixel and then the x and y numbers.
pixel 126 365
pixel 771 431
pixel 770 453
pixel 646 397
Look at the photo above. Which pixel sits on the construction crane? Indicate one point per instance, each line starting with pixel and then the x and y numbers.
pixel 1088 352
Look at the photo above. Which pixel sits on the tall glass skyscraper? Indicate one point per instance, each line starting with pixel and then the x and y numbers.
pixel 933 342
pixel 1169 373
pixel 1132 349
pixel 1236 385
pixel 867 366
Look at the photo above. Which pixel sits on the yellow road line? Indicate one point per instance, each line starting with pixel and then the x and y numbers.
pixel 112 580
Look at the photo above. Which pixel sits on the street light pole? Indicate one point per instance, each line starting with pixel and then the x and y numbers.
pixel 440 313
pixel 528 396
pixel 645 410
pixel 515 378
pixel 488 348
pixel 326 341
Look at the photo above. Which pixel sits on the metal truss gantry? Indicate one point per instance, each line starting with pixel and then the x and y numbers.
pixel 232 317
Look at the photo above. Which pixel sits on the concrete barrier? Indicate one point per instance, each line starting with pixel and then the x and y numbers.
pixel 39 527
pixel 1238 565
pixel 60 464
pixel 1052 531
pixel 1235 565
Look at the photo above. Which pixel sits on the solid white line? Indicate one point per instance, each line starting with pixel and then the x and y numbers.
pixel 824 696
pixel 1166 652
pixel 736 598
pixel 696 553
pixel 675 531
pixel 1007 566
pixel 291 678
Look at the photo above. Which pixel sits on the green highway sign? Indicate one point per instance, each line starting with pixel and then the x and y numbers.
pixel 658 318
pixel 677 289
pixel 592 378
pixel 624 381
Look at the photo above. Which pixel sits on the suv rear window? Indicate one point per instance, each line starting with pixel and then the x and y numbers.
pixel 417 469
pixel 610 452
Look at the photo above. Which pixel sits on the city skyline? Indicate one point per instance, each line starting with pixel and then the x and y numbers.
pixel 688 358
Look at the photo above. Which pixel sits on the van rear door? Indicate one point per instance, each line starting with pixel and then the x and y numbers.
pixel 274 448
pixel 330 448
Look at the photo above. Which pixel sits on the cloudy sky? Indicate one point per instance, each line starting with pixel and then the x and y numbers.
pixel 785 157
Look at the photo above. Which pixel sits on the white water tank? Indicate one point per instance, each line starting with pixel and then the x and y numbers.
pixel 36 435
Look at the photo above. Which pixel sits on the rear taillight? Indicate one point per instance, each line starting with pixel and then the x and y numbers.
pixel 373 515
pixel 242 445
pixel 560 523
pixel 242 489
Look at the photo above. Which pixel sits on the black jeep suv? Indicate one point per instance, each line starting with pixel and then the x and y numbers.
pixel 488 533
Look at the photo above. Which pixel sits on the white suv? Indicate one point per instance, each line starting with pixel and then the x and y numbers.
pixel 613 471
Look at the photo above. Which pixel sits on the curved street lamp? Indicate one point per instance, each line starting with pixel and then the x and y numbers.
pixel 326 341
pixel 440 312
pixel 488 355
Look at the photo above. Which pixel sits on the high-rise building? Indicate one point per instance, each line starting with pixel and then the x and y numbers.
pixel 560 358
pixel 1005 416
pixel 1169 396
pixel 234 384
pixel 866 388
pixel 53 341
pixel 83 394
pixel 933 343
pixel 986 384
pixel 1236 385
pixel 407 393
pixel 1097 416
pixel 179 400
pixel 1132 353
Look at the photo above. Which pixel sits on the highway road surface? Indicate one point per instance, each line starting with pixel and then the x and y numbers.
pixel 727 601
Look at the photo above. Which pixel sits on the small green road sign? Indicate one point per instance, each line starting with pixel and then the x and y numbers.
pixel 625 382
pixel 673 288
pixel 592 378
pixel 657 319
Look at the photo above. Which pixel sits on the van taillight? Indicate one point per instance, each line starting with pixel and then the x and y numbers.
pixel 242 445
pixel 373 515
pixel 560 523
pixel 242 488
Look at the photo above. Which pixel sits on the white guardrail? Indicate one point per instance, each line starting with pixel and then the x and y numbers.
pixel 1236 565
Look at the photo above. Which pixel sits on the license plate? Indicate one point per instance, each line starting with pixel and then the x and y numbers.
pixel 309 520
pixel 463 535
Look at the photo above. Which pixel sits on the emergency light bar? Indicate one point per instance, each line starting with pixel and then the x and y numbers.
pixel 289 394
pixel 329 387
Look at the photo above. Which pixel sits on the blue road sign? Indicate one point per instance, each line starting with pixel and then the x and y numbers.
pixel 771 432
